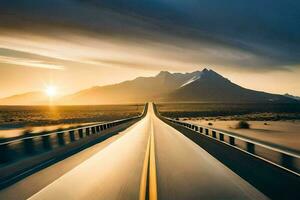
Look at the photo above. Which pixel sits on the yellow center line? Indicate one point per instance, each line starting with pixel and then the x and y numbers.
pixel 152 171
pixel 148 185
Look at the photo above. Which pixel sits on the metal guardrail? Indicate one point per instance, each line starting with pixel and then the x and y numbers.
pixel 34 144
pixel 284 159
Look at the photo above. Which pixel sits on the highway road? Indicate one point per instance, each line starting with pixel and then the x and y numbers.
pixel 150 150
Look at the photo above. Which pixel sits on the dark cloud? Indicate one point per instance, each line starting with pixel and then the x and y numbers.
pixel 269 29
pixel 266 30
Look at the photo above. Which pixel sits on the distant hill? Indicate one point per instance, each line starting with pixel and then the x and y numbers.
pixel 293 97
pixel 29 98
pixel 198 86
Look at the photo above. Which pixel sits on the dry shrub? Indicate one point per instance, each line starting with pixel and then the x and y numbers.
pixel 243 125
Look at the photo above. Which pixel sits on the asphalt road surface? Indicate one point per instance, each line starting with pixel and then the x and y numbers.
pixel 183 170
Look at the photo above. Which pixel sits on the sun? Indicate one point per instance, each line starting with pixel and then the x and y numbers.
pixel 51 91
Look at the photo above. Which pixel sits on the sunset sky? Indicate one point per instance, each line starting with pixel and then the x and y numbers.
pixel 76 44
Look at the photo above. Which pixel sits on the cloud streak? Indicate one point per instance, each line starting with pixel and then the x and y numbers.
pixel 29 63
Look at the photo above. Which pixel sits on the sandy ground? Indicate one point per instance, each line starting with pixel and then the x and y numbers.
pixel 279 133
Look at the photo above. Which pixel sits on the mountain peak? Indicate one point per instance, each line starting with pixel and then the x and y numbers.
pixel 163 73
pixel 209 73
pixel 205 70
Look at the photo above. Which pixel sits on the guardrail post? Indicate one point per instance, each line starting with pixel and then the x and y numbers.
pixel 231 140
pixel 80 132
pixel 201 130
pixel 60 138
pixel 72 136
pixel 28 145
pixel 46 142
pixel 206 131
pixel 287 161
pixel 93 130
pixel 214 135
pixel 4 152
pixel 250 147
pixel 221 135
pixel 87 131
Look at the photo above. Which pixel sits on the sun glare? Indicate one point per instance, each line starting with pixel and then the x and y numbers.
pixel 51 91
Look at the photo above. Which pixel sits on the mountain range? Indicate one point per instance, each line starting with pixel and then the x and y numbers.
pixel 198 86
pixel 29 98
